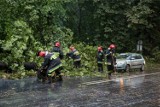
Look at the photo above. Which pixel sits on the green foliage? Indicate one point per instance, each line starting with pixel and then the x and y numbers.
pixel 18 42
pixel 17 75
pixel 29 26
pixel 61 34
pixel 156 56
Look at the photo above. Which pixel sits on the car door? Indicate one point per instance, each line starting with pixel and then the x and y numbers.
pixel 139 61
pixel 133 61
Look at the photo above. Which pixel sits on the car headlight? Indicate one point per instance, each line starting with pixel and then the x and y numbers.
pixel 121 64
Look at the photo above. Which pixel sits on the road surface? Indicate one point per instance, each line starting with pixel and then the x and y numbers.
pixel 140 90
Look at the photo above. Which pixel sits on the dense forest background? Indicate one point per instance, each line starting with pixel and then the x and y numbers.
pixel 27 26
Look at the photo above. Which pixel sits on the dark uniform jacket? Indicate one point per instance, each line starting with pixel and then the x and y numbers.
pixel 51 62
pixel 110 56
pixel 74 55
pixel 100 56
pixel 58 51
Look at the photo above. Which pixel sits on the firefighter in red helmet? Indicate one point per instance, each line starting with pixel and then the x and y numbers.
pixel 111 59
pixel 112 46
pixel 74 54
pixel 100 57
pixel 57 50
pixel 50 68
pixel 57 44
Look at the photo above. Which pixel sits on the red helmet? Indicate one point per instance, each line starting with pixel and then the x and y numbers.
pixel 57 44
pixel 99 48
pixel 71 48
pixel 112 46
pixel 41 53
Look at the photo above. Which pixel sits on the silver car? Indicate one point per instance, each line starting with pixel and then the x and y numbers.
pixel 128 61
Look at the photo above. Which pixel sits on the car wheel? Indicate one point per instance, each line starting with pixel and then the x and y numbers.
pixel 142 68
pixel 127 68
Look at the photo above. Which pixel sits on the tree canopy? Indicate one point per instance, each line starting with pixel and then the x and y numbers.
pixel 28 26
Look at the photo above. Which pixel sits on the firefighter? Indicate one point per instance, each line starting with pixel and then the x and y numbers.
pixel 100 58
pixel 74 54
pixel 50 68
pixel 111 59
pixel 57 50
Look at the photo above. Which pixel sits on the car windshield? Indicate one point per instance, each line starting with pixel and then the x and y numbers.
pixel 122 56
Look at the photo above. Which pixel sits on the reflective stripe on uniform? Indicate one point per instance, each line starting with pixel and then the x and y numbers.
pixel 108 63
pixel 53 69
pixel 76 53
pixel 100 62
pixel 77 59
pixel 54 56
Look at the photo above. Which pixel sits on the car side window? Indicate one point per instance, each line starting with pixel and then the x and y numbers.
pixel 133 57
pixel 138 57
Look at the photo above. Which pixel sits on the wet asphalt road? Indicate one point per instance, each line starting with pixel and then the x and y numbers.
pixel 140 90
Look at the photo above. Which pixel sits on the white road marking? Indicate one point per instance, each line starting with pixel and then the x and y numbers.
pixel 116 79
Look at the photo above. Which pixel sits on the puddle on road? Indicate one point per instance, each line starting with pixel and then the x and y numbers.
pixel 125 91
